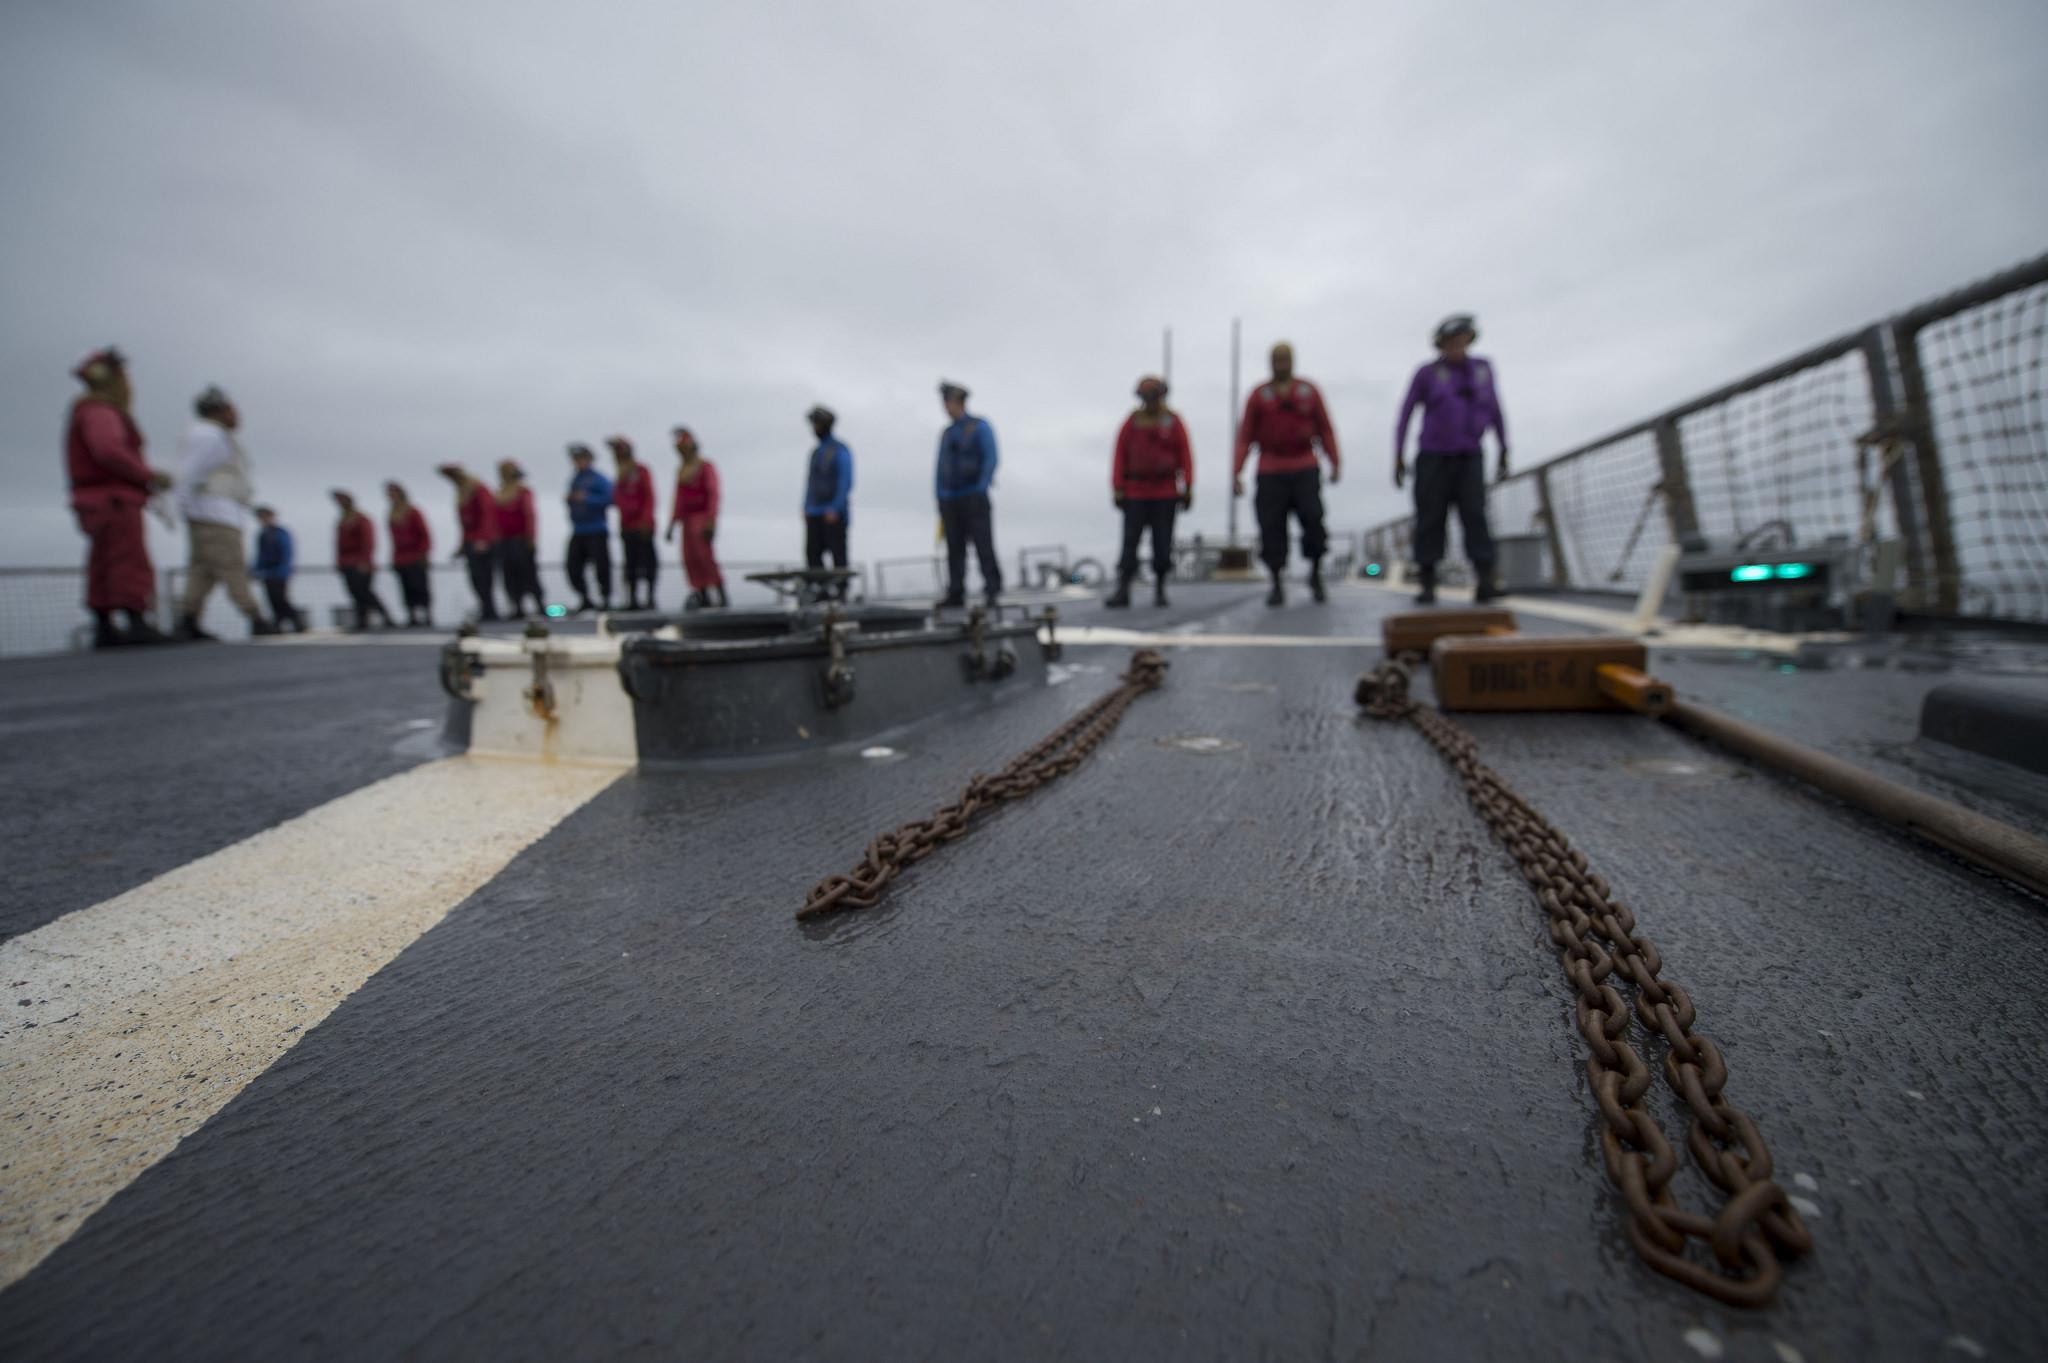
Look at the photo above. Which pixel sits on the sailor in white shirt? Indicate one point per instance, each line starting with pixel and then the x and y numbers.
pixel 214 492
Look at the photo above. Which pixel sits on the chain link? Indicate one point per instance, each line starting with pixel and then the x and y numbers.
pixel 1605 958
pixel 1055 755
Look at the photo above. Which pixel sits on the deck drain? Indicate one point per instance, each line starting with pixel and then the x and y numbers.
pixel 1201 743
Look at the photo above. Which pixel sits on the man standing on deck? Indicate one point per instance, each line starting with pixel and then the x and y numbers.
pixel 477 512
pixel 213 495
pixel 1286 419
pixel 273 568
pixel 412 544
pixel 355 554
pixel 590 545
pixel 633 492
pixel 1151 475
pixel 967 469
pixel 828 497
pixel 1459 402
pixel 109 485
pixel 518 530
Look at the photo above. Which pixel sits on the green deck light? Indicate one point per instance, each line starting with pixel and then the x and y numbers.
pixel 557 612
pixel 1372 570
pixel 1751 572
pixel 1795 570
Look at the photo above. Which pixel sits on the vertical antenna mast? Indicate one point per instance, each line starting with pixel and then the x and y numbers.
pixel 1166 366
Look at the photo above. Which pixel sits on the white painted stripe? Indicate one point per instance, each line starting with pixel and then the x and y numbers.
pixel 148 1012
pixel 1664 633
pixel 1143 638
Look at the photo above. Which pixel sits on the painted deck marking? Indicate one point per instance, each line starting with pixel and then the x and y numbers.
pixel 146 1013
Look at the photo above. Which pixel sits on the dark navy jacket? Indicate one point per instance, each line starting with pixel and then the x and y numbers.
pixel 588 516
pixel 273 554
pixel 967 459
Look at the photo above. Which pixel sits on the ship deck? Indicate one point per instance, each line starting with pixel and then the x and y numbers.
pixel 1253 1048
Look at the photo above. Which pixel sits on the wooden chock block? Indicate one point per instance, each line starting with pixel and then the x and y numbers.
pixel 1530 671
pixel 1415 631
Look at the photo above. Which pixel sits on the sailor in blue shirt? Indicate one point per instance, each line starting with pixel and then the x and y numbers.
pixel 590 543
pixel 273 568
pixel 828 497
pixel 967 466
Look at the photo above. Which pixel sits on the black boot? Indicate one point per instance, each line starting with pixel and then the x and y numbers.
pixel 105 633
pixel 1120 599
pixel 1427 596
pixel 1315 581
pixel 723 599
pixel 952 600
pixel 189 630
pixel 259 626
pixel 1484 590
pixel 1278 596
pixel 1159 591
pixel 140 631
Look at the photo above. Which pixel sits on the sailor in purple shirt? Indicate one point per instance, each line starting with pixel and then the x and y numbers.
pixel 1459 401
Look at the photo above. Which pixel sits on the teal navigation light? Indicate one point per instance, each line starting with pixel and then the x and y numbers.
pixel 1766 572
pixel 1751 572
pixel 1794 570
pixel 1372 570
pixel 557 612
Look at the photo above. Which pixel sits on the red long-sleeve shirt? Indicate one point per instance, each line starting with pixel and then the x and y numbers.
pixel 411 541
pixel 355 542
pixel 633 495
pixel 1286 427
pixel 516 519
pixel 1152 462
pixel 103 455
pixel 698 496
pixel 478 512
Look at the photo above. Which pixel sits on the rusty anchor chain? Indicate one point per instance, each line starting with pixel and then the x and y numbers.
pixel 1058 753
pixel 1605 956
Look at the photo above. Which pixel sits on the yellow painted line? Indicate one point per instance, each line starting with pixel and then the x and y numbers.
pixel 148 1012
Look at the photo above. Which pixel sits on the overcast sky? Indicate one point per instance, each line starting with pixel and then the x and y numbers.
pixel 402 233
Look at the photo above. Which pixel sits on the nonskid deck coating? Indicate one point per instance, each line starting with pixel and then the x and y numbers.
pixel 620 1105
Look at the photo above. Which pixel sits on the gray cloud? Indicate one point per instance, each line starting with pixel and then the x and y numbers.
pixel 403 233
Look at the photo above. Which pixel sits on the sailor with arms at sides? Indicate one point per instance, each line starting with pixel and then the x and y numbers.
pixel 518 532
pixel 695 513
pixel 828 496
pixel 476 511
pixel 1285 417
pixel 412 544
pixel 967 469
pixel 355 554
pixel 633 493
pixel 273 568
pixel 1151 477
pixel 1460 402
pixel 590 543
pixel 215 495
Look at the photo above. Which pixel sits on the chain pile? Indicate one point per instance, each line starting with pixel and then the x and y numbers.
pixel 1057 754
pixel 1599 946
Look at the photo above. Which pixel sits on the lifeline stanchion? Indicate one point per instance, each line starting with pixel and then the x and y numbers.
pixel 1054 756
pixel 1598 942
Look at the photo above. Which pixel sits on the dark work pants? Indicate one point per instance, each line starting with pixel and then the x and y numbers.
pixel 483 563
pixel 1156 515
pixel 522 579
pixel 278 589
pixel 364 595
pixel 592 549
pixel 970 519
pixel 825 539
pixel 641 564
pixel 412 585
pixel 1441 482
pixel 1278 494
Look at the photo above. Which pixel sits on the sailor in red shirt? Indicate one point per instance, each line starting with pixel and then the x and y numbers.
pixel 355 553
pixel 696 511
pixel 109 485
pixel 1286 419
pixel 518 528
pixel 411 546
pixel 633 495
pixel 477 512
pixel 1152 475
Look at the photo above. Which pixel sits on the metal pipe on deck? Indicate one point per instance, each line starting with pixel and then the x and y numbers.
pixel 2018 856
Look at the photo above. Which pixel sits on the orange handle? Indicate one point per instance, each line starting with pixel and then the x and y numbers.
pixel 1637 690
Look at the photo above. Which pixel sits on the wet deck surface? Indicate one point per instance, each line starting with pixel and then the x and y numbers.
pixel 1219 1051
